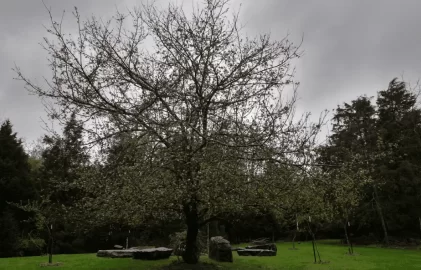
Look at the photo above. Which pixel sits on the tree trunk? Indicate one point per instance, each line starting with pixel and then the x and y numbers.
pixel 313 240
pixel 380 211
pixel 295 232
pixel 50 250
pixel 293 240
pixel 314 250
pixel 50 243
pixel 191 254
pixel 347 240
pixel 208 241
pixel 419 219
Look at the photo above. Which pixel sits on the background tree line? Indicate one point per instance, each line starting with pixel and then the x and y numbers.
pixel 368 181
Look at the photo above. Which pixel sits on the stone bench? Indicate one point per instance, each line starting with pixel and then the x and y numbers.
pixel 256 252
pixel 116 253
pixel 160 253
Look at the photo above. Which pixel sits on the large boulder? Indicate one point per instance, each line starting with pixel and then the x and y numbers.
pixel 256 252
pixel 220 249
pixel 270 246
pixel 116 253
pixel 152 253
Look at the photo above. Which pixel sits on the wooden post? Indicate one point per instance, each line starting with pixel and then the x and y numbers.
pixel 419 218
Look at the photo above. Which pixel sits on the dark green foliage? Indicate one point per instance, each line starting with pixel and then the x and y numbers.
pixel 15 186
pixel 9 234
pixel 399 127
pixel 30 246
pixel 55 173
pixel 15 182
pixel 352 130
pixel 178 242
pixel 246 226
pixel 62 159
pixel 386 139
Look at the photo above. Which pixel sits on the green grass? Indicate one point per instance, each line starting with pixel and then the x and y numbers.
pixel 367 258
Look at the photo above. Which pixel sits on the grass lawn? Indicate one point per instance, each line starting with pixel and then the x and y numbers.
pixel 367 258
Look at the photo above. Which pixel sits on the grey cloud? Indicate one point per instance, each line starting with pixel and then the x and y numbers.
pixel 351 47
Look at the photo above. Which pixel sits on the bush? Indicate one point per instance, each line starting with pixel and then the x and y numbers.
pixel 30 246
pixel 178 242
pixel 9 234
pixel 79 245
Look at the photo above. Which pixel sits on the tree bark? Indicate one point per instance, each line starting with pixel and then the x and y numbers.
pixel 295 232
pixel 191 254
pixel 208 241
pixel 347 239
pixel 419 219
pixel 293 240
pixel 314 250
pixel 50 243
pixel 313 240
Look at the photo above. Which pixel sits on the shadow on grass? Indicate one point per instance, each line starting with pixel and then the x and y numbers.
pixel 51 264
pixel 184 266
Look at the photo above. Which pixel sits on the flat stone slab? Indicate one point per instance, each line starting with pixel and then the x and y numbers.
pixel 160 253
pixel 116 253
pixel 256 252
pixel 270 246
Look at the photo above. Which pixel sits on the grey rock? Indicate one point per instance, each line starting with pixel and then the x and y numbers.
pixel 141 247
pixel 271 246
pixel 256 252
pixel 159 253
pixel 116 253
pixel 220 249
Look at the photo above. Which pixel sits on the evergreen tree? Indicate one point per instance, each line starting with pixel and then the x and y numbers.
pixel 352 132
pixel 62 159
pixel 399 127
pixel 386 142
pixel 15 185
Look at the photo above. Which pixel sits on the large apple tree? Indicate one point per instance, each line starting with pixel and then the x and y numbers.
pixel 207 101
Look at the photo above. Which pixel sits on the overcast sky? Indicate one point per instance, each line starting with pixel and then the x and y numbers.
pixel 351 47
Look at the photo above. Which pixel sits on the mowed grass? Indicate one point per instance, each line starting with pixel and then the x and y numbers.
pixel 366 258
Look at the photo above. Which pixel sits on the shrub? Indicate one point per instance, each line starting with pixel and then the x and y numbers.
pixel 178 242
pixel 30 246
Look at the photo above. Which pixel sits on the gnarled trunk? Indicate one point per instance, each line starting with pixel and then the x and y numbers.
pixel 191 254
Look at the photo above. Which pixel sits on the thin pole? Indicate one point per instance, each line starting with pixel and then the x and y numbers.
pixel 208 240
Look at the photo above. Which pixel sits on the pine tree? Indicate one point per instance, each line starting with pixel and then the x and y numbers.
pixel 62 158
pixel 399 127
pixel 15 185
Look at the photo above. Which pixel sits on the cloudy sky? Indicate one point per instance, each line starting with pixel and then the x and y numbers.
pixel 350 47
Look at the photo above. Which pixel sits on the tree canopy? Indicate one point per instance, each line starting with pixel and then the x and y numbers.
pixel 206 103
